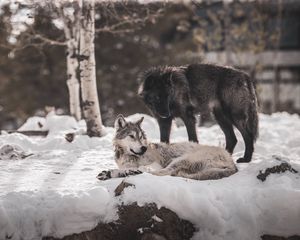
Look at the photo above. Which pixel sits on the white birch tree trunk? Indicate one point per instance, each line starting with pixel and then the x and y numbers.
pixel 72 81
pixel 72 35
pixel 90 102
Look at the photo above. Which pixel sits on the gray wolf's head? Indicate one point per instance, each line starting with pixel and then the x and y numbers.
pixel 156 90
pixel 130 137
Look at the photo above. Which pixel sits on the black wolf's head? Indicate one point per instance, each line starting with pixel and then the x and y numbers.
pixel 157 90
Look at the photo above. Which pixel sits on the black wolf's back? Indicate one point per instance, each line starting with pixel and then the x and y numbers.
pixel 227 86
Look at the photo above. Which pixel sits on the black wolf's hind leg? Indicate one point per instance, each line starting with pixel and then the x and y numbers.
pixel 190 124
pixel 227 128
pixel 248 139
pixel 249 144
pixel 165 128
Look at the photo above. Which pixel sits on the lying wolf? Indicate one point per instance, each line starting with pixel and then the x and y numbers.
pixel 133 155
pixel 171 92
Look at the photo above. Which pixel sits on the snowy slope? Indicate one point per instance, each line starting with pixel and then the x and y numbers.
pixel 55 191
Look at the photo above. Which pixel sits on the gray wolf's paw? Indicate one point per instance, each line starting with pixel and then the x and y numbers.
pixel 104 175
pixel 128 172
pixel 134 172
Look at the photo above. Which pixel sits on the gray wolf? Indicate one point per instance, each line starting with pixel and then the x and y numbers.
pixel 134 154
pixel 171 92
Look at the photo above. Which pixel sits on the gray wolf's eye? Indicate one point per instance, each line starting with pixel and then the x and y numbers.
pixel 131 136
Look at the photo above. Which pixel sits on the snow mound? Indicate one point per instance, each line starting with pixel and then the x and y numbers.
pixel 50 213
pixel 55 191
pixel 238 207
pixel 34 124
pixel 53 123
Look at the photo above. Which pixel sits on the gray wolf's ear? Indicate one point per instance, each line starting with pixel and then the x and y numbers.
pixel 120 122
pixel 140 121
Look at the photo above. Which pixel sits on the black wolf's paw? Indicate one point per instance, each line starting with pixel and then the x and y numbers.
pixel 104 175
pixel 243 160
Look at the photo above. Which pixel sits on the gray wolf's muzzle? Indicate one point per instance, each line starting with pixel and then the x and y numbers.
pixel 142 151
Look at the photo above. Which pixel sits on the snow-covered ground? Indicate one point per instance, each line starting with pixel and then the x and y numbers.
pixel 54 191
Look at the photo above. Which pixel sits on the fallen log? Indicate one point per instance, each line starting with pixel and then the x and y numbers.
pixel 270 237
pixel 30 133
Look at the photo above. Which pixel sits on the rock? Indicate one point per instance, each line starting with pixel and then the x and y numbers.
pixel 12 152
pixel 120 188
pixel 70 137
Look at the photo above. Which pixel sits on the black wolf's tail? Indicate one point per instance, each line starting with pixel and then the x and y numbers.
pixel 252 122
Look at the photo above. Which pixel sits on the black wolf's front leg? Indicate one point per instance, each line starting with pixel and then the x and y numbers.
pixel 190 124
pixel 165 128
pixel 117 173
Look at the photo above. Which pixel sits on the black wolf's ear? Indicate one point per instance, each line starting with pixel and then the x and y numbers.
pixel 120 122
pixel 139 121
pixel 141 90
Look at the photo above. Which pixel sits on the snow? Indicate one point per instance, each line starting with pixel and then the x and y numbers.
pixel 54 124
pixel 54 191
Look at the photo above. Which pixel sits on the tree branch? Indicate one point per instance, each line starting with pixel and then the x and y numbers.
pixel 5 46
pixel 129 24
pixel 49 41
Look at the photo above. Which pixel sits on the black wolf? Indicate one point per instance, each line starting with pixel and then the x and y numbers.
pixel 171 92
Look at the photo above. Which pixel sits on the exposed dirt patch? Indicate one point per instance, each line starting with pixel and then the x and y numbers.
pixel 139 223
pixel 281 168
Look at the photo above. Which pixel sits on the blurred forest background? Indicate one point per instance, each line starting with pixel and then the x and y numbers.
pixel 260 37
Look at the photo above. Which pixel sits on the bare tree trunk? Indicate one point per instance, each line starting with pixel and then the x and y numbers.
pixel 72 82
pixel 90 102
pixel 72 35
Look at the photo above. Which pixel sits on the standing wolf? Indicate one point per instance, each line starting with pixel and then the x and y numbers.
pixel 171 92
pixel 134 154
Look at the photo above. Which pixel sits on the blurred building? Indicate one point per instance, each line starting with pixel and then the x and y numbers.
pixel 276 68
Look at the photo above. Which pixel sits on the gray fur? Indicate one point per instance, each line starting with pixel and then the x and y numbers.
pixel 171 92
pixel 186 159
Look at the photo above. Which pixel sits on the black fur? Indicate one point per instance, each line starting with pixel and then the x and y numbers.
pixel 171 92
